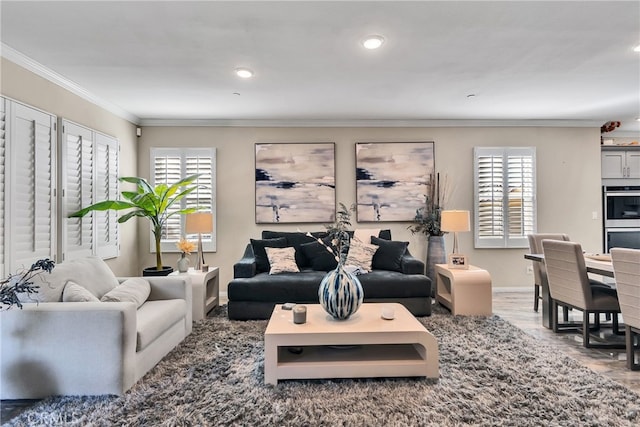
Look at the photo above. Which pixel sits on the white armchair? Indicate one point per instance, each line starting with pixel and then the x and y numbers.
pixel 90 348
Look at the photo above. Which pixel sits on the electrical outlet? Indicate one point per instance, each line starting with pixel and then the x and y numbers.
pixel 594 215
pixel 529 269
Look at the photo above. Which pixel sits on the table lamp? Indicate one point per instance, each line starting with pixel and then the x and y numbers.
pixel 199 222
pixel 455 221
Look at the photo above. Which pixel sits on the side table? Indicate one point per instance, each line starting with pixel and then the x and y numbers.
pixel 464 292
pixel 205 287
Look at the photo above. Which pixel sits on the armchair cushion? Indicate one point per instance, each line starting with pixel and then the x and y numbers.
pixel 75 293
pixel 135 290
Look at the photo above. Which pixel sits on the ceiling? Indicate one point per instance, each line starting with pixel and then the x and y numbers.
pixel 448 63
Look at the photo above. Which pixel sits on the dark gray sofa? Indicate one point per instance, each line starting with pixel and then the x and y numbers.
pixel 254 293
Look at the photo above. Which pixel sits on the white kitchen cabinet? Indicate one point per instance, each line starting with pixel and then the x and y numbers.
pixel 621 163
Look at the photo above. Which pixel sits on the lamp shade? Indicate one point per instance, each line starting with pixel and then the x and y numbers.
pixel 455 221
pixel 199 222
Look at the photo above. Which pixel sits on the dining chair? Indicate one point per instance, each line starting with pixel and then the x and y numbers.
pixel 539 270
pixel 626 268
pixel 570 286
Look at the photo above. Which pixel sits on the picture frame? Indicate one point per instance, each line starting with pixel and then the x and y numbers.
pixel 458 261
pixel 392 179
pixel 295 183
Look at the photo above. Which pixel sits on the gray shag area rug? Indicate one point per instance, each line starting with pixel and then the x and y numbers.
pixel 491 374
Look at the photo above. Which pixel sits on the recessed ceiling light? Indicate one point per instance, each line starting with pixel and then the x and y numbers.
pixel 373 42
pixel 637 48
pixel 245 73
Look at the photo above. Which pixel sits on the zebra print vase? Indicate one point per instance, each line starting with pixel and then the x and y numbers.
pixel 340 293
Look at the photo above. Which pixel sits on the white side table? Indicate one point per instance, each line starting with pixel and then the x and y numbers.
pixel 205 287
pixel 464 292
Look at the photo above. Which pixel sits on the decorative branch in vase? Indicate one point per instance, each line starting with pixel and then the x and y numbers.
pixel 428 221
pixel 340 292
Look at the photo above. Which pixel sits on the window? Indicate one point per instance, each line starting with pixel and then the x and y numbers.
pixel 505 201
pixel 89 175
pixel 29 177
pixel 169 165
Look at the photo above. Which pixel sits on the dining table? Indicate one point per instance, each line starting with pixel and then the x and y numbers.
pixel 599 264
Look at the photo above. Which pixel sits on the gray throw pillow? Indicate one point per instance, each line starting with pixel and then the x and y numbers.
pixel 135 290
pixel 389 254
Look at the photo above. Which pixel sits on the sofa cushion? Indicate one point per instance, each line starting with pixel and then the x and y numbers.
pixel 75 293
pixel 155 317
pixel 389 254
pixel 135 290
pixel 360 254
pixel 92 273
pixel 262 262
pixel 320 258
pixel 282 260
pixel 296 239
pixel 286 287
pixel 383 284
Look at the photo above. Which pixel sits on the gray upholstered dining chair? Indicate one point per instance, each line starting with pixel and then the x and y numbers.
pixel 626 268
pixel 570 286
pixel 539 270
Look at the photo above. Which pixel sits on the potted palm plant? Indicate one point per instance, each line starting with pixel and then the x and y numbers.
pixel 152 203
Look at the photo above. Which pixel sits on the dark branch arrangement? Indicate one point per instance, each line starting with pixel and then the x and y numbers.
pixel 427 220
pixel 22 282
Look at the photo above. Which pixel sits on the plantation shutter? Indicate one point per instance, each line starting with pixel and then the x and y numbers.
pixel 505 211
pixel 106 188
pixel 2 191
pixel 171 165
pixel 77 190
pixel 32 201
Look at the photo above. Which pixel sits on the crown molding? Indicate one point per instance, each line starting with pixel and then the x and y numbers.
pixel 35 67
pixel 369 123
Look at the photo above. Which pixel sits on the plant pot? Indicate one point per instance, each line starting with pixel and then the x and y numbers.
pixel 153 271
pixel 340 293
pixel 435 255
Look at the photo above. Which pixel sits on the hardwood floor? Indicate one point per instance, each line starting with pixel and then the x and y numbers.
pixel 517 308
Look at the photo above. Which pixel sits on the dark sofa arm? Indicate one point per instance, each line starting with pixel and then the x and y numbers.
pixel 246 267
pixel 411 264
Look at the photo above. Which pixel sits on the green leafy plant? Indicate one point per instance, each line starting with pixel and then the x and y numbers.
pixel 148 202
pixel 428 218
pixel 21 283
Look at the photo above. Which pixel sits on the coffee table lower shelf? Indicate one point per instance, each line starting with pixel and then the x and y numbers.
pixel 386 360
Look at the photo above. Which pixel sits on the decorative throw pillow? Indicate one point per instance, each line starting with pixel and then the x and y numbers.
pixel 262 262
pixel 282 260
pixel 294 239
pixel 320 259
pixel 389 254
pixel 75 293
pixel 135 290
pixel 360 254
pixel 365 234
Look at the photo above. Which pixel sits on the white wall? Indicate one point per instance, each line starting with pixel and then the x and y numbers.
pixel 29 88
pixel 568 162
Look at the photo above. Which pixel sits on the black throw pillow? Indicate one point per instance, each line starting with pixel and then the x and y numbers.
pixel 320 259
pixel 262 262
pixel 389 254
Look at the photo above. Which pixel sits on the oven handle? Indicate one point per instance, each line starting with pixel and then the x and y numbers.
pixel 621 229
pixel 623 193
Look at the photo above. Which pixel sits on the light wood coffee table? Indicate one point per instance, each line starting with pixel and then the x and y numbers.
pixel 364 346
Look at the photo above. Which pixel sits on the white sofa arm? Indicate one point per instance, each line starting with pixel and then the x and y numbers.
pixel 67 349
